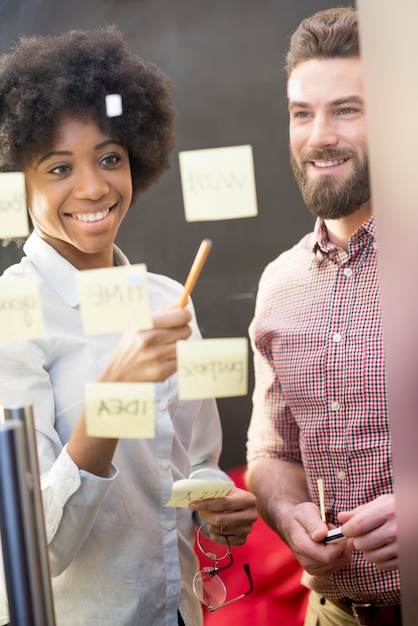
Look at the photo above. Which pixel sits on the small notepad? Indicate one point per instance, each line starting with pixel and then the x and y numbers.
pixel 189 490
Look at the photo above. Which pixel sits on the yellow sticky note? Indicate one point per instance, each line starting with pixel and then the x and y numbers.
pixel 120 410
pixel 114 299
pixel 21 314
pixel 188 490
pixel 218 183
pixel 212 368
pixel 13 212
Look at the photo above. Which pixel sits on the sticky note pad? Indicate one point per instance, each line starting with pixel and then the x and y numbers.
pixel 188 490
pixel 212 368
pixel 114 299
pixel 13 212
pixel 120 410
pixel 21 314
pixel 218 183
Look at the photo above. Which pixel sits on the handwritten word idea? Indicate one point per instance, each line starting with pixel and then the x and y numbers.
pixel 120 410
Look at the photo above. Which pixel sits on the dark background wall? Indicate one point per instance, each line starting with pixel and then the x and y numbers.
pixel 226 59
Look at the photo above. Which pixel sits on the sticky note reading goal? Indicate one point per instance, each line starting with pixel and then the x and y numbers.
pixel 114 299
pixel 212 368
pixel 13 211
pixel 120 410
pixel 21 313
pixel 218 183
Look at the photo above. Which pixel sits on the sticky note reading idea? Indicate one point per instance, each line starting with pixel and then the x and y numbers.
pixel 13 212
pixel 188 490
pixel 114 299
pixel 21 314
pixel 212 368
pixel 218 183
pixel 120 410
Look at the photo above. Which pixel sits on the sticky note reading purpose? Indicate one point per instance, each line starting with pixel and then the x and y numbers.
pixel 212 368
pixel 190 489
pixel 21 314
pixel 13 212
pixel 114 299
pixel 120 410
pixel 218 183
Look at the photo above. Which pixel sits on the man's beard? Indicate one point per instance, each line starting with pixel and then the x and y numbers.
pixel 327 198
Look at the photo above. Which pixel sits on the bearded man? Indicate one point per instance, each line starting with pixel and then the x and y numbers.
pixel 320 414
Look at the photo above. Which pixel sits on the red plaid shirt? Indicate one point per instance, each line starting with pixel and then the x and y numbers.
pixel 320 392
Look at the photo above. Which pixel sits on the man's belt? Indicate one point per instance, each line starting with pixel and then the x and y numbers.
pixel 371 614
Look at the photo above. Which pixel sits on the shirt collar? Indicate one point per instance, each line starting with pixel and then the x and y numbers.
pixel 56 270
pixel 321 241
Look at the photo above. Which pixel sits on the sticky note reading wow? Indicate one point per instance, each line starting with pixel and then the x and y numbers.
pixel 114 299
pixel 212 368
pixel 218 183
pixel 120 410
pixel 21 314
pixel 13 212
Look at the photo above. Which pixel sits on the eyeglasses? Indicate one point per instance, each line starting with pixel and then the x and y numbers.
pixel 207 585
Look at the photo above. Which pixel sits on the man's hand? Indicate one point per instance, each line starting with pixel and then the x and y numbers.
pixel 374 531
pixel 305 532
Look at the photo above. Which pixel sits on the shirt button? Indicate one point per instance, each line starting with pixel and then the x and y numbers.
pixel 169 525
pixel 165 465
pixel 162 405
pixel 337 337
pixel 348 271
pixel 340 475
pixel 335 405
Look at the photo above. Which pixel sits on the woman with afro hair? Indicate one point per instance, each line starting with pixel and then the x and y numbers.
pixel 118 556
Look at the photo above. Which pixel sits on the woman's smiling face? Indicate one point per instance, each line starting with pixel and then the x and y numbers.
pixel 79 192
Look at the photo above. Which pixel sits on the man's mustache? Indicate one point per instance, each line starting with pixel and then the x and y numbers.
pixel 325 155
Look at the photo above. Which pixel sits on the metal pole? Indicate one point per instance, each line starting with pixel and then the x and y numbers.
pixel 33 518
pixel 14 505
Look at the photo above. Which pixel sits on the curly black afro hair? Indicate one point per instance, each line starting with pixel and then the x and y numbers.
pixel 43 77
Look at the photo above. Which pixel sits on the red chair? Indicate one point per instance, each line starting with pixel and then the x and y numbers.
pixel 278 596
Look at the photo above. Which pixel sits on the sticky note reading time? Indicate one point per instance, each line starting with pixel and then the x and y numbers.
pixel 218 183
pixel 13 212
pixel 212 368
pixel 120 410
pixel 114 299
